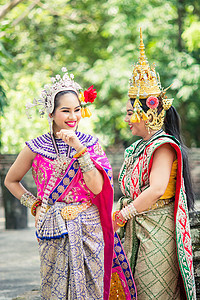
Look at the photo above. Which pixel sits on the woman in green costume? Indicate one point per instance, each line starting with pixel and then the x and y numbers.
pixel 156 185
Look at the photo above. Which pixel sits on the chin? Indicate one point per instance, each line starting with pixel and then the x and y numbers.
pixel 133 131
pixel 71 128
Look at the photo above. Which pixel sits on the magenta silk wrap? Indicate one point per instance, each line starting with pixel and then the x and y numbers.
pixel 77 191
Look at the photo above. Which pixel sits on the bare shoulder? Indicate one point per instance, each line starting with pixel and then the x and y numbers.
pixel 21 166
pixel 165 150
pixel 28 152
pixel 25 157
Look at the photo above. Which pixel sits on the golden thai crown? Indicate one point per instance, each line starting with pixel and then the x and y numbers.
pixel 145 84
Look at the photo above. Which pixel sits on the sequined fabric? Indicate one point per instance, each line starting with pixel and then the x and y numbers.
pixel 43 145
pixel 156 271
pixel 122 282
pixel 73 267
pixel 158 242
pixel 53 229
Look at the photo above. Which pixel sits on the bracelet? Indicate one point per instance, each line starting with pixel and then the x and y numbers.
pixel 129 211
pixel 78 154
pixel 34 206
pixel 121 225
pixel 133 210
pixel 27 199
pixel 116 215
pixel 85 163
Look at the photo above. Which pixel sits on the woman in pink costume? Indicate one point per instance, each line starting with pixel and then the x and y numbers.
pixel 155 182
pixel 74 197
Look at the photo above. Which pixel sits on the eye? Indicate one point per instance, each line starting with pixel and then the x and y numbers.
pixel 77 110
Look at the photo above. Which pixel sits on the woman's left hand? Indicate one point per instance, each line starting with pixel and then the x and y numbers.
pixel 115 226
pixel 37 215
pixel 70 138
pixel 118 219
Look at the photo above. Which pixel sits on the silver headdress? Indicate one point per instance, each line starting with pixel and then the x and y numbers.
pixel 65 83
pixel 46 100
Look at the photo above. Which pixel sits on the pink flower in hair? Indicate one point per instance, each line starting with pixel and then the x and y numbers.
pixel 152 102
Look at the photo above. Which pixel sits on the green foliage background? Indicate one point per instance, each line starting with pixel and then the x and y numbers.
pixel 98 42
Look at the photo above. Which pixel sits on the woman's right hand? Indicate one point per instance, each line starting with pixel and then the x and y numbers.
pixel 70 138
pixel 38 209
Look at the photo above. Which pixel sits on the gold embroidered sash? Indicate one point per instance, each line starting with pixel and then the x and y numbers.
pixel 70 212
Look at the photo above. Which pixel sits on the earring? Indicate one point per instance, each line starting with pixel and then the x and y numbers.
pixel 50 120
pixel 147 127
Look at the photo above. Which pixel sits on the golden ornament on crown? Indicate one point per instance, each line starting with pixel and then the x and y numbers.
pixel 145 84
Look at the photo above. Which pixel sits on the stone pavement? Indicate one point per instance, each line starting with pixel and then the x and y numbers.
pixel 19 263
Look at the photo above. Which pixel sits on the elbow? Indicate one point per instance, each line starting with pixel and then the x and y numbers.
pixel 98 187
pixel 6 183
pixel 97 190
pixel 159 192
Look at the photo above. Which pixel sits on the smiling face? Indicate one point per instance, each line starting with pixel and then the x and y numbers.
pixel 138 129
pixel 67 114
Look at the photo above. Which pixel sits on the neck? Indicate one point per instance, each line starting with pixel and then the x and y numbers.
pixel 149 135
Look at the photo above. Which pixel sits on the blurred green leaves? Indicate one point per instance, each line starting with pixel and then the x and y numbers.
pixel 98 42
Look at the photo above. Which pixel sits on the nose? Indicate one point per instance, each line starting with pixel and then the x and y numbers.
pixel 126 119
pixel 72 115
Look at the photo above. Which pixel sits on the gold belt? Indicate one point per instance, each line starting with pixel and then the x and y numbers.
pixel 161 203
pixel 70 212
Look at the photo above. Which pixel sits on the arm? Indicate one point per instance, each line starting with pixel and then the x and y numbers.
pixel 158 179
pixel 17 171
pixel 94 181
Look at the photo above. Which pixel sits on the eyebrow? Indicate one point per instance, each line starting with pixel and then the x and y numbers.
pixel 69 107
pixel 129 110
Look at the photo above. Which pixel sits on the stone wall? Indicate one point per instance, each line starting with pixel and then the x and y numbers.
pixel 15 214
pixel 194 161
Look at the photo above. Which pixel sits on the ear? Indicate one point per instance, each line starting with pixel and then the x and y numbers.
pixel 50 116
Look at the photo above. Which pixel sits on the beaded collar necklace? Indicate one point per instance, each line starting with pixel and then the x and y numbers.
pixel 62 161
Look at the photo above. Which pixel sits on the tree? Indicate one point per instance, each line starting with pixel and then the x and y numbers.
pixel 98 42
pixel 8 7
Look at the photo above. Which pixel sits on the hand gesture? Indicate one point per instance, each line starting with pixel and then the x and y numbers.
pixel 118 220
pixel 70 138
pixel 115 226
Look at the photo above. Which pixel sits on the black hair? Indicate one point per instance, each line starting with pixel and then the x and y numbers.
pixel 145 107
pixel 59 95
pixel 172 126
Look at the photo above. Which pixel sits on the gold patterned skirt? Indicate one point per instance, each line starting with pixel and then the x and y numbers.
pixel 72 267
pixel 156 266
